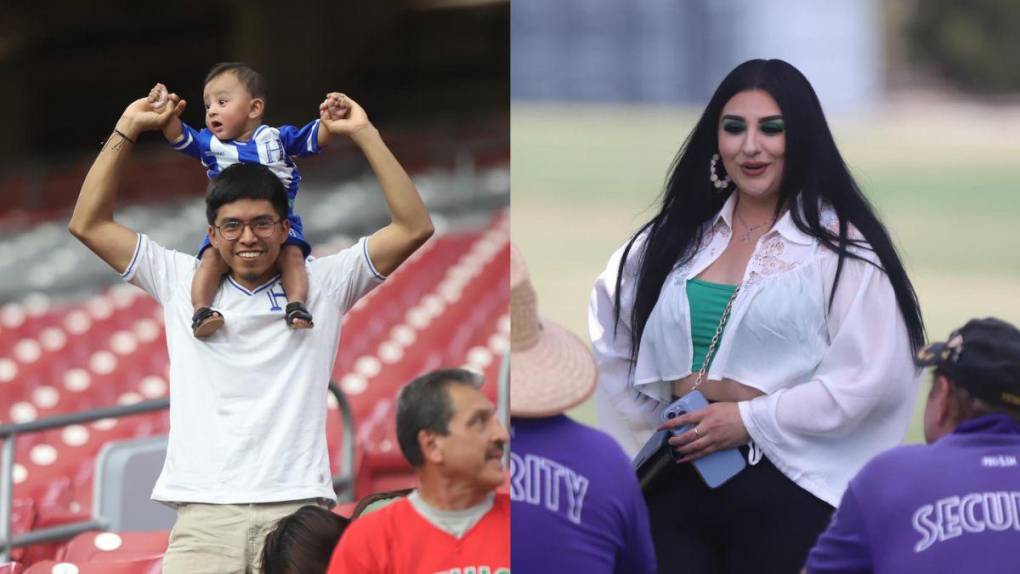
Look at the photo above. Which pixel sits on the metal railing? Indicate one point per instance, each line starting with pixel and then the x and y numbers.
pixel 9 434
pixel 503 403
pixel 342 483
pixel 503 392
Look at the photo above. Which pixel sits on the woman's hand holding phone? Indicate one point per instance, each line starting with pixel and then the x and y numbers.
pixel 715 427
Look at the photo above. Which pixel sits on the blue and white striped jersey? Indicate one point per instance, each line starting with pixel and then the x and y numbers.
pixel 269 146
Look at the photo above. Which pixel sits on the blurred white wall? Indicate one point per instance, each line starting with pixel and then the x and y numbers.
pixel 677 51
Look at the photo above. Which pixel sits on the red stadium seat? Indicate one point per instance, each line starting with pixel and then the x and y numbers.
pixel 453 311
pixel 444 340
pixel 96 547
pixel 381 465
pixel 147 565
pixel 12 568
pixel 388 303
pixel 23 518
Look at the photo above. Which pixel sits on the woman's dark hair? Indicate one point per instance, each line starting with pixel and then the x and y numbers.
pixel 303 542
pixel 245 181
pixel 814 171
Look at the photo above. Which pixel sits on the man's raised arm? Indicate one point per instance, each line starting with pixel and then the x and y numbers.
pixel 410 224
pixel 92 222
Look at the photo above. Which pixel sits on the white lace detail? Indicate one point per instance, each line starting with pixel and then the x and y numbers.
pixel 706 241
pixel 709 235
pixel 720 225
pixel 828 219
pixel 768 260
pixel 683 271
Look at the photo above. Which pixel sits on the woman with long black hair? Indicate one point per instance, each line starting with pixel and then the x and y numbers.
pixel 767 283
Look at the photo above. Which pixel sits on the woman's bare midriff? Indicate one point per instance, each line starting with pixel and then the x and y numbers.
pixel 726 390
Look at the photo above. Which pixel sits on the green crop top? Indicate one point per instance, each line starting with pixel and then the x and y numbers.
pixel 707 301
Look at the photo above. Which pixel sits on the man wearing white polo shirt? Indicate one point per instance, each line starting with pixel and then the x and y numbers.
pixel 247 439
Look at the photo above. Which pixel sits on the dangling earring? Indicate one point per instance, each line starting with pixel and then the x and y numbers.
pixel 719 183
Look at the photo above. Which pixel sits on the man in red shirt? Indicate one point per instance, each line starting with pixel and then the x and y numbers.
pixel 454 522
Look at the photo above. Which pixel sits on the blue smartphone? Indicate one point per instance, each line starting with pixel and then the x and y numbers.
pixel 718 467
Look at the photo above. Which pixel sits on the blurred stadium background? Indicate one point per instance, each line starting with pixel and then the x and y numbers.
pixel 923 98
pixel 433 76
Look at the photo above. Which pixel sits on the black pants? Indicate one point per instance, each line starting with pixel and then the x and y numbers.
pixel 758 522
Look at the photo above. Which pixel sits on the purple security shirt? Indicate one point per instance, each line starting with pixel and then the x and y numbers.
pixel 575 502
pixel 952 507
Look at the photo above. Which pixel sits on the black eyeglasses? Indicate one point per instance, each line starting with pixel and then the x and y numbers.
pixel 232 229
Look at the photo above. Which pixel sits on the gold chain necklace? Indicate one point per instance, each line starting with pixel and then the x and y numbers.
pixel 715 339
pixel 748 229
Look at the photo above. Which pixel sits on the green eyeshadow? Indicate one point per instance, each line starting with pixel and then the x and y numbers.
pixel 733 125
pixel 773 126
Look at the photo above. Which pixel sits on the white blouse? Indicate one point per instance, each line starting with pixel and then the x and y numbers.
pixel 839 382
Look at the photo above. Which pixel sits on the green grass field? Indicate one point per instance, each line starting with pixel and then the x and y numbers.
pixel 944 180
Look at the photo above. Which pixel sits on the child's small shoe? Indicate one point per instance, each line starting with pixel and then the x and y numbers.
pixel 296 311
pixel 205 322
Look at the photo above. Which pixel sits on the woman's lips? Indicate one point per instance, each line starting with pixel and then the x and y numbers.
pixel 753 169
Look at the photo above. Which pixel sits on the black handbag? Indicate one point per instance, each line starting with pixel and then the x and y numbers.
pixel 653 459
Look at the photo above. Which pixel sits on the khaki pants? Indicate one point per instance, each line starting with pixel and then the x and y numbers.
pixel 223 538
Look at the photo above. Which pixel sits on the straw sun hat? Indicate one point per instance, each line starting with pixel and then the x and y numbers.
pixel 551 370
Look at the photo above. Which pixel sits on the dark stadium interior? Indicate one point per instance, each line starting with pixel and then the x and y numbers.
pixel 67 69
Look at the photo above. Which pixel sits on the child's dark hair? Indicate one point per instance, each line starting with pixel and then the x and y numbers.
pixel 252 80
pixel 303 541
pixel 245 181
